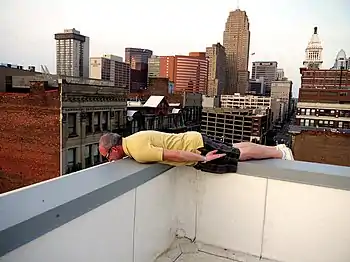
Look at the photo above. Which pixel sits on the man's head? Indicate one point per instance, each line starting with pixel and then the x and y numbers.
pixel 110 146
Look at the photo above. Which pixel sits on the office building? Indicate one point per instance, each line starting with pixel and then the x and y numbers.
pixel 313 52
pixel 281 95
pixel 134 56
pixel 138 60
pixel 267 70
pixel 111 68
pixel 257 86
pixel 236 42
pixel 216 56
pixel 188 73
pixel 154 66
pixel 72 54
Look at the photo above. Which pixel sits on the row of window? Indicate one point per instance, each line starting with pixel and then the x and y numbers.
pixel 324 112
pixel 91 157
pixel 95 122
pixel 324 123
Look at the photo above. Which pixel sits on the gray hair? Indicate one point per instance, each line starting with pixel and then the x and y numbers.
pixel 109 140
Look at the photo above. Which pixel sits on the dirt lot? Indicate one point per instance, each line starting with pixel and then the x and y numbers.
pixel 322 147
pixel 29 138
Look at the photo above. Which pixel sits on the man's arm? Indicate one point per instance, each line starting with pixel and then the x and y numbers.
pixel 185 156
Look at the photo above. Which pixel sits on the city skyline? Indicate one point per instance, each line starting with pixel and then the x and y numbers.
pixel 280 33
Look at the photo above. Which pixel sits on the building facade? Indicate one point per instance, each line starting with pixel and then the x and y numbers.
pixel 324 79
pixel 135 56
pixel 267 70
pixel 188 73
pixel 8 71
pixel 112 69
pixel 72 53
pixel 232 125
pixel 245 101
pixel 236 40
pixel 87 112
pixel 313 52
pixel 216 56
pixel 154 66
pixel 257 87
pixel 281 95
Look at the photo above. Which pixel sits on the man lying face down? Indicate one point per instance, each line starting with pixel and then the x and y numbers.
pixel 186 149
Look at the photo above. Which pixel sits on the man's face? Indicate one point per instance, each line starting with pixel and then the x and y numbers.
pixel 114 153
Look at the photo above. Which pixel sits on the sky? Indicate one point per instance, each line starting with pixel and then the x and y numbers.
pixel 280 29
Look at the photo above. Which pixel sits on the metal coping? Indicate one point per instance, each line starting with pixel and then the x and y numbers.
pixel 22 233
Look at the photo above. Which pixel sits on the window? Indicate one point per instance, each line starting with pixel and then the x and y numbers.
pixel 72 124
pixel 303 111
pixel 71 158
pixel 96 154
pixel 340 124
pixel 302 122
pixel 88 155
pixel 104 121
pixel 97 121
pixel 313 112
pixel 88 123
pixel 307 122
pixel 312 122
pixel 308 112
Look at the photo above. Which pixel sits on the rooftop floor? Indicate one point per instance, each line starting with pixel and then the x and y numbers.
pixel 184 250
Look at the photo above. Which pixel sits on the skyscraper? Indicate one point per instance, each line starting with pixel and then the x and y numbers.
pixel 72 53
pixel 216 69
pixel 236 43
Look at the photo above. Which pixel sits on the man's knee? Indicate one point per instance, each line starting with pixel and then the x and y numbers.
pixel 245 153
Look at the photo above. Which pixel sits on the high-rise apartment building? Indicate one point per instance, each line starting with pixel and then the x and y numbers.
pixel 236 43
pixel 216 56
pixel 281 95
pixel 72 53
pixel 267 70
pixel 110 68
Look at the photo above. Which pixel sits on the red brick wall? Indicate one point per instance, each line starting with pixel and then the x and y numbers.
pixel 29 138
pixel 322 147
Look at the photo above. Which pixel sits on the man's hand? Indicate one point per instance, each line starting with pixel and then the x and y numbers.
pixel 212 156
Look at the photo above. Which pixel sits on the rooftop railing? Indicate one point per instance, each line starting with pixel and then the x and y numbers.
pixel 269 210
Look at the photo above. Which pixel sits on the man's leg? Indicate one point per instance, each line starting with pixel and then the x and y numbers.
pixel 256 151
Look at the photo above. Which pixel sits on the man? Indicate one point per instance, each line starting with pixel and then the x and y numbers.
pixel 189 148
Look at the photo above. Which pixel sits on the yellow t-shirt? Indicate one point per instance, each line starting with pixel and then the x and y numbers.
pixel 147 146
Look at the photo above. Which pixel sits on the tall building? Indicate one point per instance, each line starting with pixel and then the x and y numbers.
pixel 135 56
pixel 112 69
pixel 257 86
pixel 281 95
pixel 236 43
pixel 341 62
pixel 216 56
pixel 267 70
pixel 313 52
pixel 72 53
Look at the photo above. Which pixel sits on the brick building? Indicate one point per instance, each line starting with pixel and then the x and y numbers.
pixel 30 137
pixel 324 99
pixel 322 147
